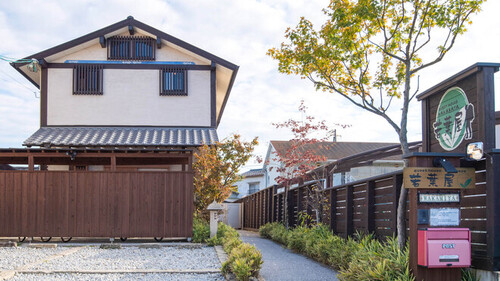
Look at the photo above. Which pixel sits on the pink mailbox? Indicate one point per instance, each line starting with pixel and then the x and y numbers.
pixel 444 247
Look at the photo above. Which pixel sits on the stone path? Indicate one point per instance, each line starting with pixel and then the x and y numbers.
pixel 281 264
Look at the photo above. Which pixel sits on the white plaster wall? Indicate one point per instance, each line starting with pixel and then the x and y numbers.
pixel 131 97
pixel 243 185
pixel 271 172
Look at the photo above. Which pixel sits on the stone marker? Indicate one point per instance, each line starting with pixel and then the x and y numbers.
pixel 214 208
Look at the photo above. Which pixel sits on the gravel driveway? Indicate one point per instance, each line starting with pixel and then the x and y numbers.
pixel 89 262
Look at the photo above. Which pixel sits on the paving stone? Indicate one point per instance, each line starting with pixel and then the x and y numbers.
pixel 150 246
pixel 8 244
pixel 110 246
pixel 42 246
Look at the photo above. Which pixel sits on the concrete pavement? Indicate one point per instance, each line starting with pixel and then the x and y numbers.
pixel 281 264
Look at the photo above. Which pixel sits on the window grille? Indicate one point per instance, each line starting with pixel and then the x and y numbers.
pixel 131 48
pixel 173 82
pixel 87 79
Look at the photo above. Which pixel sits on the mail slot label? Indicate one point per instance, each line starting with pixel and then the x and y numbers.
pixel 448 258
pixel 448 246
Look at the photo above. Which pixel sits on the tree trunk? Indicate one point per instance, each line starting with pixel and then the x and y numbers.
pixel 285 207
pixel 401 217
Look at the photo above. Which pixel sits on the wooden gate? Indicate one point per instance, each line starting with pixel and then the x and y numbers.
pixel 96 204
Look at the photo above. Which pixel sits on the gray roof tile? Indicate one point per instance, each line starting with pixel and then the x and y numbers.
pixel 121 136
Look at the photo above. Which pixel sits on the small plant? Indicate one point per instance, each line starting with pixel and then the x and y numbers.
pixel 244 261
pixel 265 230
pixel 201 230
pixel 469 275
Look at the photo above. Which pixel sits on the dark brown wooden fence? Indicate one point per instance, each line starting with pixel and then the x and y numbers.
pixel 370 206
pixel 96 204
pixel 361 206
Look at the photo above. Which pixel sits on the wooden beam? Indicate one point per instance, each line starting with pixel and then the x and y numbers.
pixel 43 98
pixel 134 66
pixel 31 163
pixel 113 163
pixel 370 207
pixel 349 201
pixel 213 96
pixel 102 41
pixel 158 42
pixel 131 30
pixel 333 210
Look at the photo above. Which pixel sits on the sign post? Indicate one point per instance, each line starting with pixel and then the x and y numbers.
pixel 455 112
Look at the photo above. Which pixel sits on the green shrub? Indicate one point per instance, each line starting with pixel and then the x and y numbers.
pixel 223 232
pixel 230 243
pixel 201 230
pixel 375 260
pixel 296 239
pixel 279 234
pixel 265 230
pixel 244 261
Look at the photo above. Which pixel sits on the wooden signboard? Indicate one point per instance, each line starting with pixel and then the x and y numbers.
pixel 438 178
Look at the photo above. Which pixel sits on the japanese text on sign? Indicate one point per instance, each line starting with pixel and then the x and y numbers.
pixel 426 177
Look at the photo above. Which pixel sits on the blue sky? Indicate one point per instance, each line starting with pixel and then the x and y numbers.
pixel 240 31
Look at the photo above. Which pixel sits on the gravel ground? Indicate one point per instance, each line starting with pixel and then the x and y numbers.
pixel 107 261
pixel 93 258
pixel 11 258
pixel 121 277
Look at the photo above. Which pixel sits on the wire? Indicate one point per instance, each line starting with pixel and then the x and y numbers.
pixel 9 59
pixel 15 80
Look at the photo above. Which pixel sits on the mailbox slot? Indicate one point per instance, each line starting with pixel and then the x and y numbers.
pixel 444 247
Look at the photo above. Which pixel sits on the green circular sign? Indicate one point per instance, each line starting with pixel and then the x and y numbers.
pixel 453 119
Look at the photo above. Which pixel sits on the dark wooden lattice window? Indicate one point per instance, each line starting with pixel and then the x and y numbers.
pixel 131 48
pixel 173 82
pixel 87 79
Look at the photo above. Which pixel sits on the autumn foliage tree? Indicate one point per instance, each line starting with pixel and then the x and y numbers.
pixel 368 51
pixel 301 157
pixel 216 169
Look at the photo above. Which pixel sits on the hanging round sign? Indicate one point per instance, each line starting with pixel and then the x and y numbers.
pixel 453 119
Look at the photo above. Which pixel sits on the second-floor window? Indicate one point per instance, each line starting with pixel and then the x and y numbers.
pixel 173 82
pixel 87 79
pixel 253 187
pixel 131 48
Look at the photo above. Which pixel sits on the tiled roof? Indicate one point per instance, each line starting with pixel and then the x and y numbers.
pixel 334 150
pixel 253 173
pixel 120 136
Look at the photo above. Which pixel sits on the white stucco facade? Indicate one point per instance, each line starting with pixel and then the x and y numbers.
pixel 245 184
pixel 130 96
